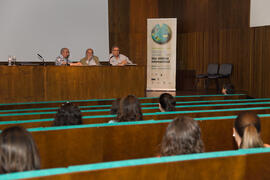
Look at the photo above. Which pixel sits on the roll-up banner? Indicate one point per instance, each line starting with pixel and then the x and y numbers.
pixel 161 54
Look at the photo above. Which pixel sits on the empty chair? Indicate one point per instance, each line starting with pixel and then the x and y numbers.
pixel 225 71
pixel 212 70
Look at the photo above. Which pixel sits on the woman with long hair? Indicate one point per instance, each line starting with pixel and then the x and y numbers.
pixel 130 109
pixel 18 151
pixel 246 131
pixel 183 136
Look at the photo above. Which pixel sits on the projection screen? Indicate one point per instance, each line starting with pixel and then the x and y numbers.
pixel 259 13
pixel 28 27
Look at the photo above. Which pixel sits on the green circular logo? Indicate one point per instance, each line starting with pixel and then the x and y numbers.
pixel 161 34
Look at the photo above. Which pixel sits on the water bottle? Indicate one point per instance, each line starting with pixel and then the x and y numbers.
pixel 9 60
pixel 59 60
pixel 14 60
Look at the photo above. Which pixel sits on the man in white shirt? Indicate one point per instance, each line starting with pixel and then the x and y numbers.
pixel 117 59
pixel 63 58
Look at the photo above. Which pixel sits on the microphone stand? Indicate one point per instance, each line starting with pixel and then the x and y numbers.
pixel 110 60
pixel 43 60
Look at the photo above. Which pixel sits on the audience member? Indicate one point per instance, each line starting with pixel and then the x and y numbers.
pixel 18 151
pixel 246 131
pixel 227 89
pixel 68 114
pixel 115 108
pixel 130 109
pixel 166 102
pixel 183 136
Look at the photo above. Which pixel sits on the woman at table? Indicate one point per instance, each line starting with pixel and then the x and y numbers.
pixel 88 60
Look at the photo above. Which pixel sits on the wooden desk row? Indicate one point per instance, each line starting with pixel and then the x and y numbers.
pixel 143 105
pixel 65 146
pixel 86 144
pixel 89 102
pixel 51 114
pixel 148 116
pixel 233 165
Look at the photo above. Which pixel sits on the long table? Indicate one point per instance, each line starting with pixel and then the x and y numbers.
pixel 50 83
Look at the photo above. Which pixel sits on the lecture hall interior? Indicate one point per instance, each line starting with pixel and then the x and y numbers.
pixel 135 89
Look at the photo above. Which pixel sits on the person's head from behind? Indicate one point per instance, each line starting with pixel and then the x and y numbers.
pixel 18 151
pixel 246 131
pixel 65 53
pixel 115 106
pixel 227 89
pixel 115 51
pixel 166 102
pixel 68 114
pixel 130 109
pixel 183 136
pixel 89 53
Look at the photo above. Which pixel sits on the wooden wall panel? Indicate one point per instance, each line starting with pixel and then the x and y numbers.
pixel 247 49
pixel 140 11
pixel 218 32
pixel 209 31
pixel 260 62
pixel 128 26
pixel 119 24
pixel 234 49
pixel 266 63
pixel 207 15
pixel 211 49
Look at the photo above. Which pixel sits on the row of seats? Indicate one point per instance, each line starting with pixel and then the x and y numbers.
pixel 97 141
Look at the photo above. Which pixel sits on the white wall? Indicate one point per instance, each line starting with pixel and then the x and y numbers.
pixel 259 13
pixel 28 27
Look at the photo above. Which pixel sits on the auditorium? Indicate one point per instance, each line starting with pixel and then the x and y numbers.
pixel 134 89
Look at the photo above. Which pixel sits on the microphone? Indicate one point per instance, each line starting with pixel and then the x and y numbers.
pixel 110 59
pixel 43 60
pixel 40 56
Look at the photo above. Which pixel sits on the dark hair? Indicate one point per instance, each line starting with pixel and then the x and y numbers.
pixel 248 127
pixel 88 50
pixel 229 88
pixel 62 50
pixel 115 46
pixel 68 114
pixel 18 151
pixel 130 109
pixel 115 106
pixel 183 136
pixel 167 102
